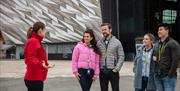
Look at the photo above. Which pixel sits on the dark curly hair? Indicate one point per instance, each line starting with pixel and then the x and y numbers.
pixel 93 41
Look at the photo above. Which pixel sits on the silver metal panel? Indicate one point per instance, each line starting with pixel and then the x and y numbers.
pixel 65 20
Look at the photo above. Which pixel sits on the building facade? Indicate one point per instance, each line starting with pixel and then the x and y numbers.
pixel 65 21
pixel 131 19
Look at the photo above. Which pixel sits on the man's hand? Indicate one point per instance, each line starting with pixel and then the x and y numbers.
pixel 154 58
pixel 114 70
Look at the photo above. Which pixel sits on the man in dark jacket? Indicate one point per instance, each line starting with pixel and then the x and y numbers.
pixel 166 58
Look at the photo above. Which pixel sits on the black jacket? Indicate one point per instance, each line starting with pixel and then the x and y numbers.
pixel 169 58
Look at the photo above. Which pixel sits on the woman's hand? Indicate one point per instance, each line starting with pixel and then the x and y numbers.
pixel 78 76
pixel 47 67
pixel 44 65
pixel 94 78
pixel 51 65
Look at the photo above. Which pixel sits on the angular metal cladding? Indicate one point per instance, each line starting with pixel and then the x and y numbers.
pixel 65 20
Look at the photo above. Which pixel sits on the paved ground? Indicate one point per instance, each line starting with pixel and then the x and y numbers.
pixel 59 84
pixel 16 69
pixel 59 78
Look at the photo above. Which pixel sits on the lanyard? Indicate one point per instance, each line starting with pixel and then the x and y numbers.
pixel 160 50
pixel 106 50
pixel 146 56
pixel 146 60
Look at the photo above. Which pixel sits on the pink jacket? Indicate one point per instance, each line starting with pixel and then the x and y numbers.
pixel 81 54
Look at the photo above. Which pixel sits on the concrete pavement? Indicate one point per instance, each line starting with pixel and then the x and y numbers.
pixel 16 69
pixel 59 78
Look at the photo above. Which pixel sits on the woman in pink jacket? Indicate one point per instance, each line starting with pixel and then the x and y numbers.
pixel 85 60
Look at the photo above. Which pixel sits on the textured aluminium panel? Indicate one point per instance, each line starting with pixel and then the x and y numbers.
pixel 65 20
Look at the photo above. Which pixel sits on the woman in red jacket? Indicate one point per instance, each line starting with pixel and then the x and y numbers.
pixel 35 58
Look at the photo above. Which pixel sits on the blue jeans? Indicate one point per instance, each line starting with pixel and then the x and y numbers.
pixel 165 83
pixel 144 85
pixel 85 79
pixel 142 90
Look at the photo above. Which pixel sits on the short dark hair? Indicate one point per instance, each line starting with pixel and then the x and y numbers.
pixel 163 25
pixel 107 24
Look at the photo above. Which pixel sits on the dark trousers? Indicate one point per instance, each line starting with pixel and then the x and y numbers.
pixel 85 79
pixel 34 85
pixel 144 85
pixel 110 76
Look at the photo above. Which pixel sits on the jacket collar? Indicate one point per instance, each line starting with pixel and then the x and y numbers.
pixel 84 44
pixel 109 38
pixel 165 40
pixel 147 50
pixel 34 35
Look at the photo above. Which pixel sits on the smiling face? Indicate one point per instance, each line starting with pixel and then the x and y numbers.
pixel 87 38
pixel 106 31
pixel 162 32
pixel 42 32
pixel 147 41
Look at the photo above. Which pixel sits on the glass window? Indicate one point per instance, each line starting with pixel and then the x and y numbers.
pixel 172 0
pixel 169 16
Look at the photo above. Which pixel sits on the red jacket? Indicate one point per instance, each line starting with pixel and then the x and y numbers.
pixel 34 54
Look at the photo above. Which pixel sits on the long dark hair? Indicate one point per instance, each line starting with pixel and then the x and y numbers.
pixel 93 41
pixel 35 28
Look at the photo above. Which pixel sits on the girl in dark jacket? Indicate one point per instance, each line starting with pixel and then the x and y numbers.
pixel 35 58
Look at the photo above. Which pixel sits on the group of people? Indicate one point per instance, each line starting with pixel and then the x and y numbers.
pixel 104 58
pixel 155 65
